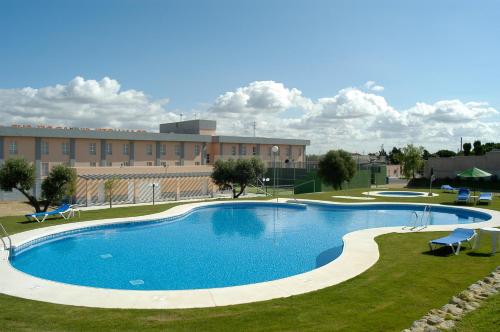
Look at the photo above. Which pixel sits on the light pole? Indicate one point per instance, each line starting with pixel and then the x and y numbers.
pixel 275 150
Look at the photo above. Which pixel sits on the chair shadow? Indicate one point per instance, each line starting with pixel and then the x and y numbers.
pixel 444 251
pixel 479 254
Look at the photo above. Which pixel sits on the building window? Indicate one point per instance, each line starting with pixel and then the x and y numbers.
pixel 149 163
pixel 149 149
pixel 178 150
pixel 233 150
pixel 109 163
pixel 244 150
pixel 65 148
pixel 196 150
pixel 109 148
pixel 254 150
pixel 178 163
pixel 163 149
pixel 289 151
pixel 13 147
pixel 45 169
pixel 197 163
pixel 92 148
pixel 125 149
pixel 93 164
pixel 45 147
pixel 208 158
pixel 164 164
pixel 125 163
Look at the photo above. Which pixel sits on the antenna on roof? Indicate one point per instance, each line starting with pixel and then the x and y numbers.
pixel 195 115
pixel 181 115
pixel 254 125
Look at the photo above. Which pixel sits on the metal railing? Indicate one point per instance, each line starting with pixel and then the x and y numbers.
pixel 419 221
pixel 6 235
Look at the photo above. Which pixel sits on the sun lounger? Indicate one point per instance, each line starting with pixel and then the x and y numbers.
pixel 463 195
pixel 485 198
pixel 455 239
pixel 64 211
pixel 447 188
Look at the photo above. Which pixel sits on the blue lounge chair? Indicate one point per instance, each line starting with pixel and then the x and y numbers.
pixel 447 188
pixel 64 211
pixel 485 198
pixel 456 238
pixel 463 195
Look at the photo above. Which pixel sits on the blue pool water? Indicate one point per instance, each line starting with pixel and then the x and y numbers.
pixel 216 246
pixel 400 193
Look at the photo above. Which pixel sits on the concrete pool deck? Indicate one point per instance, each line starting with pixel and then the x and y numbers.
pixel 360 252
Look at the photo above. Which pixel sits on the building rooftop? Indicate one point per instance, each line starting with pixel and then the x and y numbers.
pixel 184 131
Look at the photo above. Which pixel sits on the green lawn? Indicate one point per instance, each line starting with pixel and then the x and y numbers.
pixel 402 286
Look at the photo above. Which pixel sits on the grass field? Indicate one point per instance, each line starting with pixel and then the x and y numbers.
pixel 402 286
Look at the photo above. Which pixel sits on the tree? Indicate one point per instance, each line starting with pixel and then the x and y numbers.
pixel 425 155
pixel 19 174
pixel 445 153
pixel 60 183
pixel 395 156
pixel 467 147
pixel 478 148
pixel 229 173
pixel 412 160
pixel 108 188
pixel 336 167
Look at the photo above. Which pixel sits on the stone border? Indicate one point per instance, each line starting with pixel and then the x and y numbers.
pixel 378 194
pixel 360 252
pixel 466 301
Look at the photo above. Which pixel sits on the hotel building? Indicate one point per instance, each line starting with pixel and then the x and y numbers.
pixel 179 147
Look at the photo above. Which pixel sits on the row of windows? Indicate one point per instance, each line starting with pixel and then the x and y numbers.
pixel 109 149
pixel 288 151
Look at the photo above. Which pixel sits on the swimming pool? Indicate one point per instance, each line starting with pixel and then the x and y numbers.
pixel 213 246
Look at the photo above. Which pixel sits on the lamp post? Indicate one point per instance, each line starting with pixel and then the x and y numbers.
pixel 275 150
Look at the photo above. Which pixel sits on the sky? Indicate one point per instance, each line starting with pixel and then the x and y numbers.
pixel 345 74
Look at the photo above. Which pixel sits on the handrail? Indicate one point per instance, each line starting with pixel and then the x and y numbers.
pixel 8 237
pixel 424 219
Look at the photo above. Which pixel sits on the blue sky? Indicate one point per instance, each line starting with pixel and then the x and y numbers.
pixel 191 52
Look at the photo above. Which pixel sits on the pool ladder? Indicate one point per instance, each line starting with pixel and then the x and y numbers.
pixel 6 235
pixel 418 222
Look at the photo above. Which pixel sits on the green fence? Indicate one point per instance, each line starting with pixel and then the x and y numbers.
pixel 308 182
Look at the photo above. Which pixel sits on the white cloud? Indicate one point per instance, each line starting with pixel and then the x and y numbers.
pixel 359 120
pixel 373 86
pixel 83 103
pixel 356 119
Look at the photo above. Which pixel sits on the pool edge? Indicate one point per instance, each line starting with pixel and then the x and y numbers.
pixel 360 252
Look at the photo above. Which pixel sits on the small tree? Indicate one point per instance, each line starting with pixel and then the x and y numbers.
pixel 395 156
pixel 412 160
pixel 19 174
pixel 60 183
pixel 108 188
pixel 336 167
pixel 467 147
pixel 478 148
pixel 229 174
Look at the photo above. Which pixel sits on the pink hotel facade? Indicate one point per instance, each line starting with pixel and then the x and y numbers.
pixel 187 146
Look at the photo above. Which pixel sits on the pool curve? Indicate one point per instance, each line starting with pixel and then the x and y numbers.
pixel 304 275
